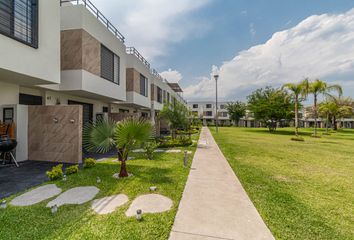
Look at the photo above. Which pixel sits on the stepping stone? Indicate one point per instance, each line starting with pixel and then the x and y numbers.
pixel 174 151
pixel 36 195
pixel 78 195
pixel 101 159
pixel 159 151
pixel 139 151
pixel 189 152
pixel 109 204
pixel 149 203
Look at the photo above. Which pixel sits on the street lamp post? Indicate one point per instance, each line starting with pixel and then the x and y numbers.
pixel 216 77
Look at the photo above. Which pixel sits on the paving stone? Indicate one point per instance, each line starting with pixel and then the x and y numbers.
pixel 78 195
pixel 138 150
pixel 149 203
pixel 109 204
pixel 159 151
pixel 36 195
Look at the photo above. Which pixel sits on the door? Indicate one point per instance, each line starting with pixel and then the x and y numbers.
pixel 87 111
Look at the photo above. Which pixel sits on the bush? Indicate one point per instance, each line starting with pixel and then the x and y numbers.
pixel 89 163
pixel 149 148
pixel 179 142
pixel 298 139
pixel 56 173
pixel 72 169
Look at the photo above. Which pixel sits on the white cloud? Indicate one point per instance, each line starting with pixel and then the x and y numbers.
pixel 321 46
pixel 172 76
pixel 151 25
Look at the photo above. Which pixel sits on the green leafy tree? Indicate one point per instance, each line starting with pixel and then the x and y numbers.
pixel 177 116
pixel 236 111
pixel 342 107
pixel 271 106
pixel 317 88
pixel 105 135
pixel 326 110
pixel 298 93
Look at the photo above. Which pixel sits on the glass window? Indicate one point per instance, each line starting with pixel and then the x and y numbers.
pixel 208 106
pixel 195 105
pixel 19 20
pixel 110 65
pixel 143 85
pixel 159 95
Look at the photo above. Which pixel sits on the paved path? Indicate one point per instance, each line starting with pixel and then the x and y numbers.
pixel 214 204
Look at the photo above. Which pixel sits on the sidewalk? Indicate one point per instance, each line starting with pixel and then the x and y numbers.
pixel 214 204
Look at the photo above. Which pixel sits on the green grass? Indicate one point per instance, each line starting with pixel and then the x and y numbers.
pixel 166 172
pixel 303 190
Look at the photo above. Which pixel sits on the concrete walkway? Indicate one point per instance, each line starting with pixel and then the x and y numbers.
pixel 214 204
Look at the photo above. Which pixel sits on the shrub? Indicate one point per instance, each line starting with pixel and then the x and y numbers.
pixel 72 169
pixel 89 163
pixel 149 148
pixel 298 139
pixel 179 142
pixel 56 172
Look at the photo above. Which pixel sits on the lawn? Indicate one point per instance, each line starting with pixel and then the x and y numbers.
pixel 166 172
pixel 303 190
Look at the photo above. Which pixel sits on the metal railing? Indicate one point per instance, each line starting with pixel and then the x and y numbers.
pixel 133 51
pixel 93 9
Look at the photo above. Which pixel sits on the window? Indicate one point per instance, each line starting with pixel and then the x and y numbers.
pixel 143 85
pixel 123 110
pixel 110 65
pixel 195 105
pixel 168 97
pixel 208 106
pixel 222 106
pixel 19 20
pixel 26 99
pixel 159 95
pixel 209 113
pixel 223 114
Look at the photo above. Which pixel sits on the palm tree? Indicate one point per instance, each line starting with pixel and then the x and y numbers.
pixel 298 93
pixel 342 107
pixel 326 109
pixel 318 87
pixel 105 135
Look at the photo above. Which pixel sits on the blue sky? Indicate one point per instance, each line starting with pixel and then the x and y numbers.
pixel 190 36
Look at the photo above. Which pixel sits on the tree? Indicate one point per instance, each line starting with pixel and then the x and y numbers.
pixel 105 135
pixel 271 106
pixel 176 114
pixel 298 93
pixel 326 110
pixel 236 111
pixel 319 87
pixel 342 107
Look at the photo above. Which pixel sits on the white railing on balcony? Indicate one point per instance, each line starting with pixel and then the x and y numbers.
pixel 93 9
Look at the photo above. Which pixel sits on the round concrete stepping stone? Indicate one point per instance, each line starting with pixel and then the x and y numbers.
pixel 109 204
pixel 36 195
pixel 78 195
pixel 174 151
pixel 149 203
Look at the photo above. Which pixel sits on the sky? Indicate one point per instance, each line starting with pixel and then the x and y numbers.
pixel 253 43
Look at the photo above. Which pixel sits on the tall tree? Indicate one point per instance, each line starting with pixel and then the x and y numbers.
pixel 326 110
pixel 271 106
pixel 236 111
pixel 177 115
pixel 317 88
pixel 297 91
pixel 342 107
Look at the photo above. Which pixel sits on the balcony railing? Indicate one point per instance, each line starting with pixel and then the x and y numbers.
pixel 93 9
pixel 133 51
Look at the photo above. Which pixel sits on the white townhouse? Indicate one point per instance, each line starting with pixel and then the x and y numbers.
pixel 62 64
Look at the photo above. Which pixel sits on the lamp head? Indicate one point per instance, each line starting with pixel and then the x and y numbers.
pixel 216 77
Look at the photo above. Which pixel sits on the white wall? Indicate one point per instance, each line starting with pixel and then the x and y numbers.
pixel 8 93
pixel 42 65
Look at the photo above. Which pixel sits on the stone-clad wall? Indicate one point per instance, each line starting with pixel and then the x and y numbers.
pixel 55 133
pixel 133 80
pixel 79 50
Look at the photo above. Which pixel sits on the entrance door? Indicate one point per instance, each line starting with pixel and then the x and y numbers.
pixel 87 111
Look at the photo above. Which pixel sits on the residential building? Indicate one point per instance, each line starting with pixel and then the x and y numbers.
pixel 58 54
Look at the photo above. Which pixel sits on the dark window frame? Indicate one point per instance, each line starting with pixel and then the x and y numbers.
pixel 195 106
pixel 34 25
pixel 208 105
pixel 144 91
pixel 159 95
pixel 113 69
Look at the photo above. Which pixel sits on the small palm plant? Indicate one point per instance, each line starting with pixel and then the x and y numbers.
pixel 105 135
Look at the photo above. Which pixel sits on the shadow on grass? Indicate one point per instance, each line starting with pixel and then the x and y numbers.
pixel 280 131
